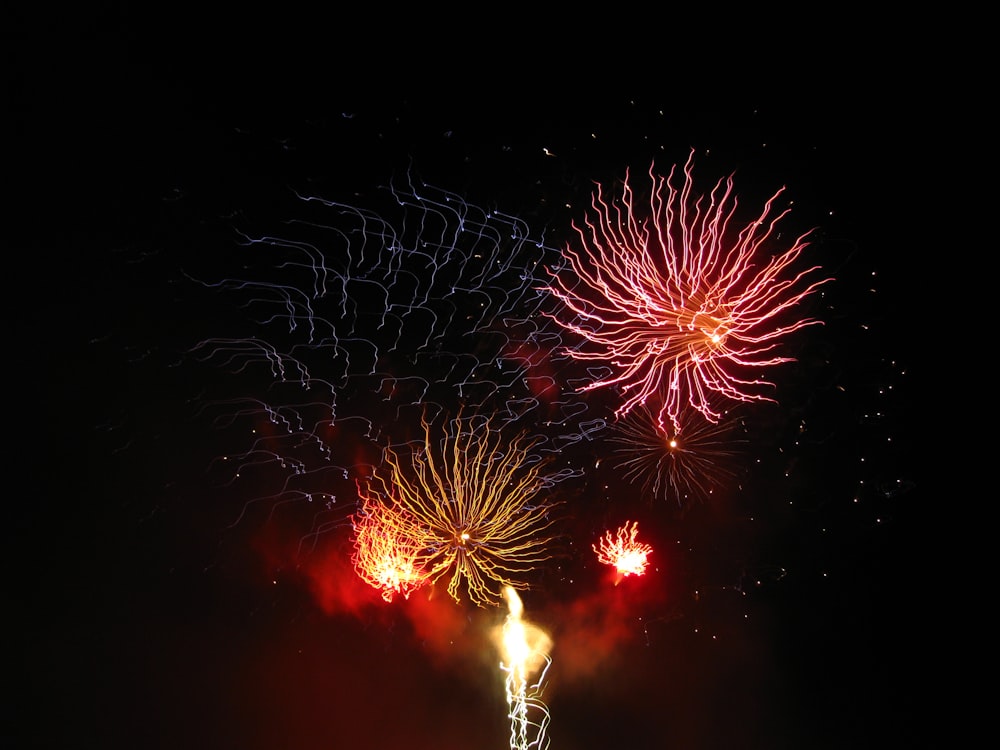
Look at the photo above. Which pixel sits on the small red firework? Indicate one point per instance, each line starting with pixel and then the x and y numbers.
pixel 623 552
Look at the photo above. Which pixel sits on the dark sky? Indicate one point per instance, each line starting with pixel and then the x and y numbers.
pixel 165 606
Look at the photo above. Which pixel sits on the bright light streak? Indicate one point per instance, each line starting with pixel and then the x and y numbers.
pixel 470 498
pixel 670 300
pixel 525 649
pixel 386 552
pixel 623 552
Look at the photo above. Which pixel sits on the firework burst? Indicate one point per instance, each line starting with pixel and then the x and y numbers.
pixel 670 297
pixel 387 550
pixel 623 552
pixel 688 463
pixel 469 502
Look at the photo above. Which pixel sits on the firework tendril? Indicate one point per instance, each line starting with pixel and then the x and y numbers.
pixel 668 297
pixel 468 502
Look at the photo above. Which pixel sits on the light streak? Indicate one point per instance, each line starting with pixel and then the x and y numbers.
pixel 670 299
pixel 626 555
pixel 690 462
pixel 471 499
pixel 429 300
pixel 525 649
pixel 347 321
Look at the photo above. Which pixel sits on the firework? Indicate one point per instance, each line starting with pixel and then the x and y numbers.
pixel 387 550
pixel 470 500
pixel 525 649
pixel 670 298
pixel 689 462
pixel 626 555
pixel 349 321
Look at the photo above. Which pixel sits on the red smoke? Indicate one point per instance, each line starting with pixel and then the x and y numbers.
pixel 593 627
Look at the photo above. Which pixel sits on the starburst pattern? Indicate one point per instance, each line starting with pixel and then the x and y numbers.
pixel 688 463
pixel 668 297
pixel 469 499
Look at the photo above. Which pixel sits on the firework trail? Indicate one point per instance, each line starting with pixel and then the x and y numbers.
pixel 355 320
pixel 467 499
pixel 525 649
pixel 622 552
pixel 671 300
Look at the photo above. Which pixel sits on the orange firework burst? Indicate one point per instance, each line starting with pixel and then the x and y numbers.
pixel 690 462
pixel 676 301
pixel 623 552
pixel 387 550
pixel 468 503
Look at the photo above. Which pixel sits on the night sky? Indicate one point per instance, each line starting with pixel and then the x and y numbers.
pixel 162 602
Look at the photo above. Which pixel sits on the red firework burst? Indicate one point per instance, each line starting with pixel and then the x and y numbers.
pixel 626 555
pixel 387 550
pixel 669 297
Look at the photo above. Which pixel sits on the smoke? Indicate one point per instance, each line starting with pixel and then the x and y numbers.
pixel 593 627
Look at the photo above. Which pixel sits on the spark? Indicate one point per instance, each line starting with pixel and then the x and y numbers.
pixel 623 552
pixel 470 499
pixel 675 301
pixel 525 648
